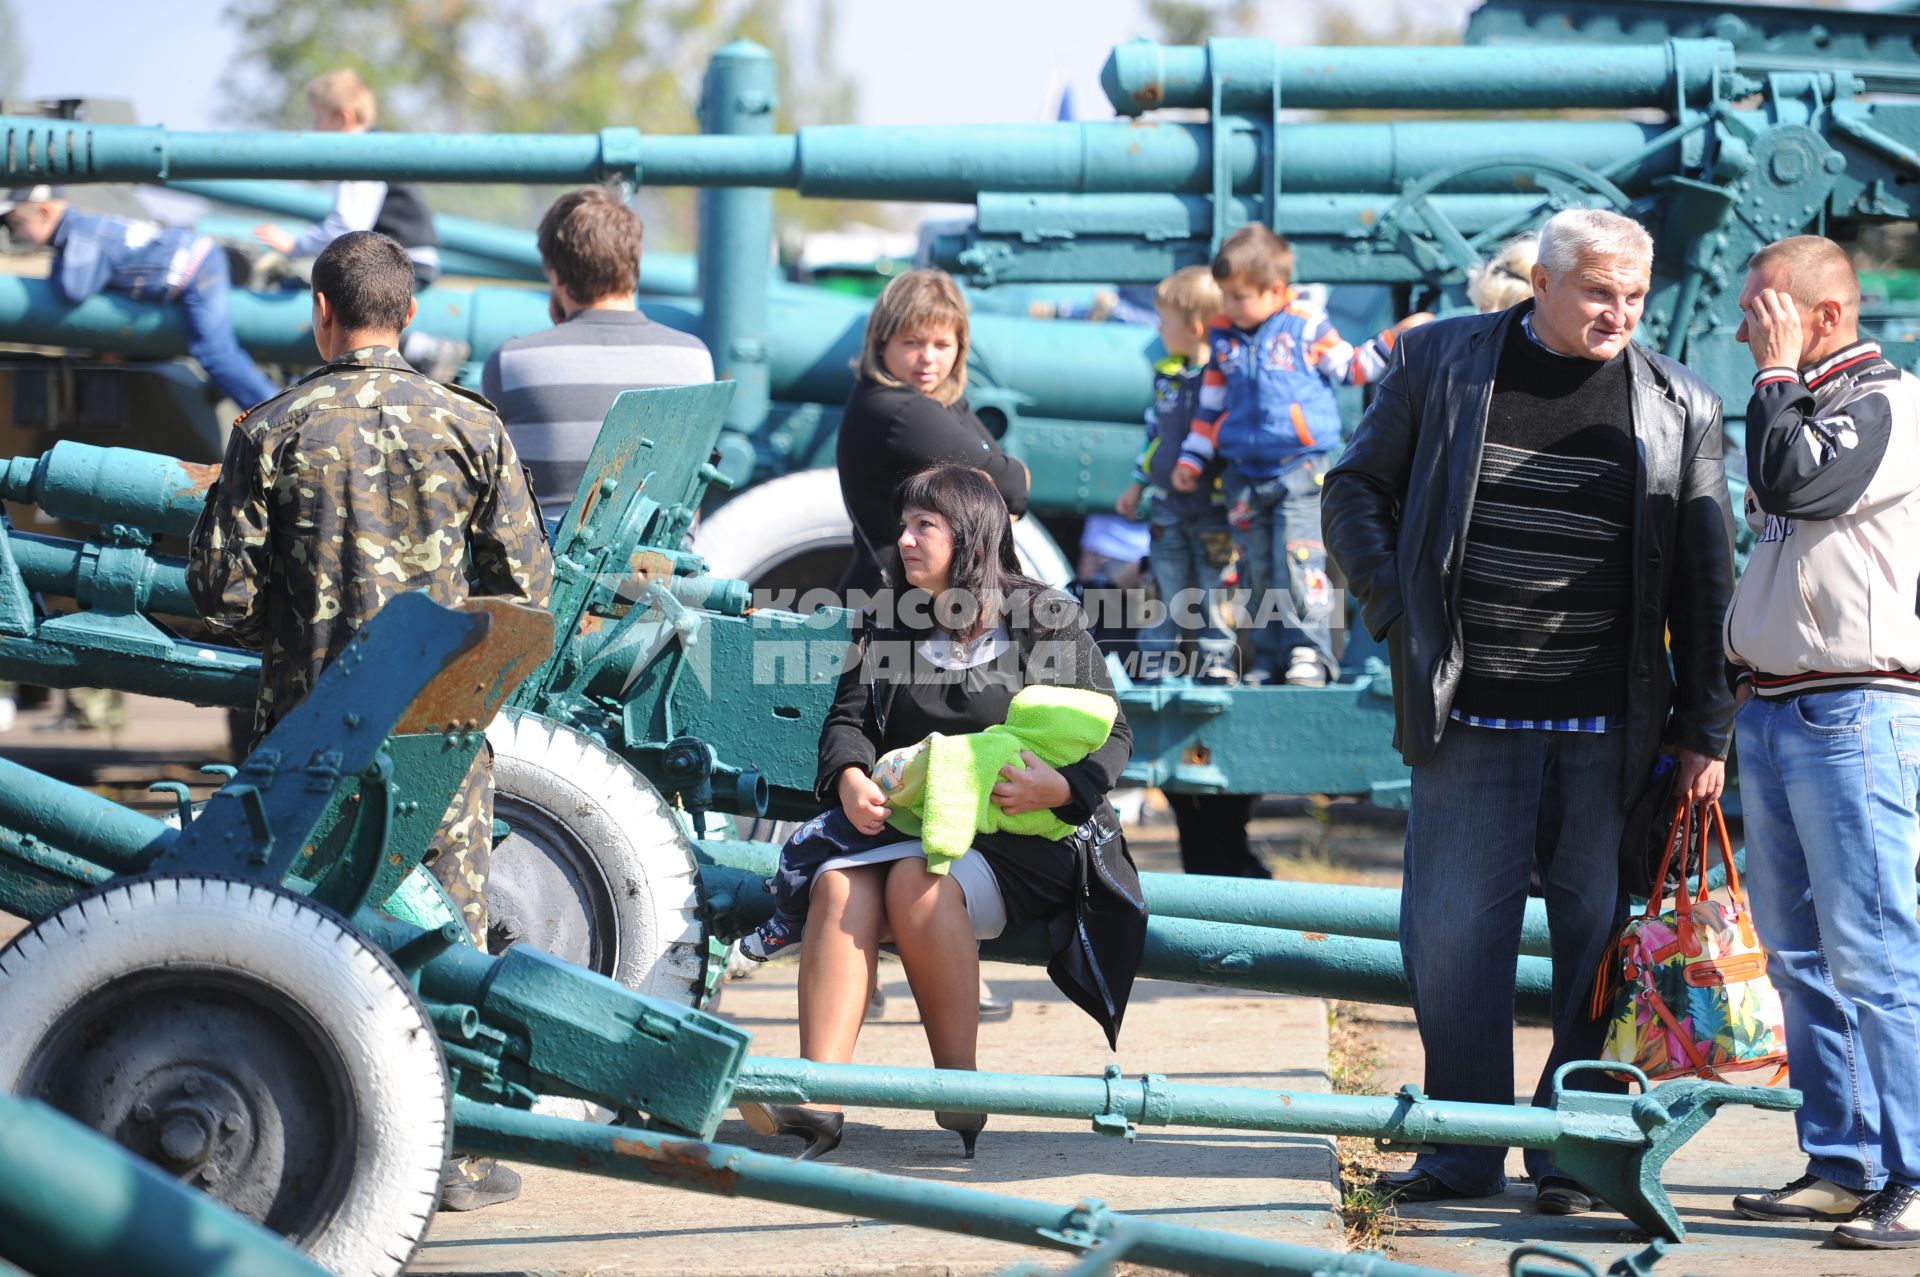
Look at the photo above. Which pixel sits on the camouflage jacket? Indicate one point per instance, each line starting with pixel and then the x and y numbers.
pixel 361 481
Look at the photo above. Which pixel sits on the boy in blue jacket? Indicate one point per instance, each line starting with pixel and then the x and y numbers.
pixel 146 261
pixel 1267 409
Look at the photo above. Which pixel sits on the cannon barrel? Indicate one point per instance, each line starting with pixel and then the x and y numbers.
pixel 1269 959
pixel 514 250
pixel 71 820
pixel 105 486
pixel 51 565
pixel 955 163
pixel 1254 75
pixel 1062 370
pixel 73 1201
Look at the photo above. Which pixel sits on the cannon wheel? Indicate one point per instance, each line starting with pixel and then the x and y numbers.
pixel 597 869
pixel 792 533
pixel 250 1042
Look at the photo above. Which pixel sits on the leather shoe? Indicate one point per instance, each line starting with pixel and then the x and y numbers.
pixel 994 1009
pixel 1417 1186
pixel 1555 1195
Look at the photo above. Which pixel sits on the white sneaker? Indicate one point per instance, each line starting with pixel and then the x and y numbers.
pixel 1305 668
pixel 1889 1220
pixel 1808 1197
pixel 7 710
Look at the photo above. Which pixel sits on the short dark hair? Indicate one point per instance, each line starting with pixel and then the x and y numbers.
pixel 368 281
pixel 1254 256
pixel 590 240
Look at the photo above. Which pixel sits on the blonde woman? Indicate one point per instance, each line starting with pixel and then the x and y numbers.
pixel 1504 280
pixel 908 411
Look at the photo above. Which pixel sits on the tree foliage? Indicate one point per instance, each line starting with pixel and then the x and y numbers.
pixel 1197 21
pixel 565 66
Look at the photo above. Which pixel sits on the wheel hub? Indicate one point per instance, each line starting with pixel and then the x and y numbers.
pixel 548 890
pixel 219 1080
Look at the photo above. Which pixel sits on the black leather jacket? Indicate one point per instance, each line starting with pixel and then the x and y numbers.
pixel 1396 508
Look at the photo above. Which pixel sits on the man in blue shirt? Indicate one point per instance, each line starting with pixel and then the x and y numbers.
pixel 146 261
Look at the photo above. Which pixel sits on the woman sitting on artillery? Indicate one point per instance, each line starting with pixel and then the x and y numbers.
pixel 948 655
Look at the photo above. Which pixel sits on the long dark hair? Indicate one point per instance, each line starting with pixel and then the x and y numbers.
pixel 985 572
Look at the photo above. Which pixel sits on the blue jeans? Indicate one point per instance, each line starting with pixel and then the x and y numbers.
pixel 1277 521
pixel 1827 785
pixel 1471 846
pixel 210 336
pixel 1189 586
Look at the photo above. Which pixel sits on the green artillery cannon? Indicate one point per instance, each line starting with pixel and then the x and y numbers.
pixel 1761 132
pixel 192 993
pixel 664 688
pixel 1410 203
pixel 210 1007
pixel 55 844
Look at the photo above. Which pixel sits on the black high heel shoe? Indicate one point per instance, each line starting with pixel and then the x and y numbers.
pixel 820 1129
pixel 965 1125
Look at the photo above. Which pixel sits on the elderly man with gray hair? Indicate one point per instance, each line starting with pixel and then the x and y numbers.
pixel 1529 508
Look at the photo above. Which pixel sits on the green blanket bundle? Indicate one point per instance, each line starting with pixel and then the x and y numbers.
pixel 941 789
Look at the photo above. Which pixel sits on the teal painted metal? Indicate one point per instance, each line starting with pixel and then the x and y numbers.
pixel 555 1029
pixel 465 242
pixel 951 163
pixel 1144 76
pixel 738 99
pixel 74 1204
pixel 38 809
pixel 1619 1141
pixel 735 1172
pixel 340 801
pixel 1878 45
pixel 104 486
pixel 1075 372
pixel 1267 959
pixel 70 568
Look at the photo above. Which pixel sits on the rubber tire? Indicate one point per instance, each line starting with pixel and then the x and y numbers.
pixel 617 817
pixel 350 989
pixel 751 536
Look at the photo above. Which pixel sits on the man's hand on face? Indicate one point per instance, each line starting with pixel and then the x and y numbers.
pixel 1773 330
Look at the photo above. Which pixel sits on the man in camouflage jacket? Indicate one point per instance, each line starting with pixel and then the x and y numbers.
pixel 359 482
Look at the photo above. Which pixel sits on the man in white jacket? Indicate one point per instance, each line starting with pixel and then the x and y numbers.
pixel 1825 644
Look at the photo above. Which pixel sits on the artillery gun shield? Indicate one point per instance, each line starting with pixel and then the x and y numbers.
pixel 246 1040
pixel 597 870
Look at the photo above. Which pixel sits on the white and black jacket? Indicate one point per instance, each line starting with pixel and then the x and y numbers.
pixel 1833 469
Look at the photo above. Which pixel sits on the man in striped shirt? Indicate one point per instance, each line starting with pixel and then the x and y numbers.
pixel 553 389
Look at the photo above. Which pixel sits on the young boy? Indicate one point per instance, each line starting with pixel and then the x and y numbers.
pixel 1267 409
pixel 341 102
pixel 1191 545
pixel 145 261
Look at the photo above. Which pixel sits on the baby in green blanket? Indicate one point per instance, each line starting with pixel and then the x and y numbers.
pixel 940 790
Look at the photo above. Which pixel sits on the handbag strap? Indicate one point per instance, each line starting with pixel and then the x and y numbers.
pixel 1742 914
pixel 1678 836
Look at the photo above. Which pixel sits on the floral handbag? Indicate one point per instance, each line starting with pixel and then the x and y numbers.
pixel 1688 985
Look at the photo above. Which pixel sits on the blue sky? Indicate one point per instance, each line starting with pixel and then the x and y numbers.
pixel 916 64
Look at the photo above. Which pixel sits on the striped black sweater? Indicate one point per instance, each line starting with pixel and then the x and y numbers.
pixel 1546 584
